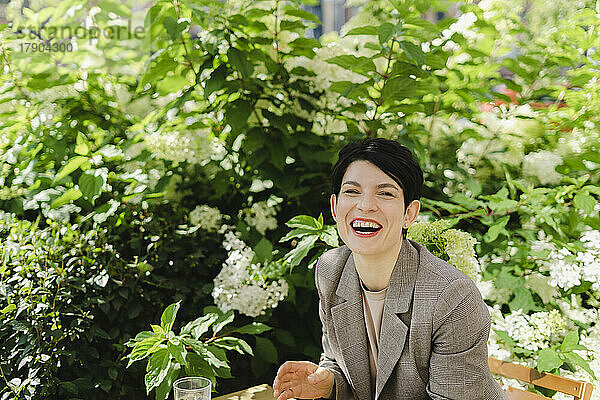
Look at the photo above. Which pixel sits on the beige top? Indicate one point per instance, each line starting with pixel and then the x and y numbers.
pixel 373 310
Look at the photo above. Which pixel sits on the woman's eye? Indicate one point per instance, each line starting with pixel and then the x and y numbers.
pixel 351 191
pixel 386 194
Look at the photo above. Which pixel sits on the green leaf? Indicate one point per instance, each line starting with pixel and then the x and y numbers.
pixel 216 357
pixel 303 221
pixel 70 166
pixel 293 26
pixel 216 80
pixel 298 233
pixel 297 12
pixel 198 366
pixel 115 7
pixel 171 84
pixel 384 32
pixel 91 185
pixel 82 147
pixel 199 326
pixel 255 328
pixel 505 337
pixel 548 360
pixel 496 229
pixel 67 197
pixel 240 62
pixel 141 349
pixel 237 113
pixel 156 69
pixel 330 236
pixel 8 308
pixel 295 256
pixel 399 88
pixel 406 69
pixel 523 300
pixel 585 203
pixel 264 250
pixel 361 65
pixel 413 52
pixel 506 280
pixel 285 337
pixel 178 352
pixel 570 341
pixel 143 335
pixel 304 46
pixel 223 320
pixel 233 343
pixel 266 350
pixel 163 390
pixel 175 28
pixel 362 30
pixel 576 359
pixel 156 368
pixel 168 316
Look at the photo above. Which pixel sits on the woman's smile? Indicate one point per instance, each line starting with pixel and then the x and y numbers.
pixel 364 227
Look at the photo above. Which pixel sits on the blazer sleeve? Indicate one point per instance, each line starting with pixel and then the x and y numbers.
pixel 342 389
pixel 458 367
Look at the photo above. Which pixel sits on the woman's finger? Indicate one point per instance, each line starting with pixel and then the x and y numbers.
pixel 287 394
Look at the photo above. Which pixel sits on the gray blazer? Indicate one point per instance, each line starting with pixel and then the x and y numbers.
pixel 434 331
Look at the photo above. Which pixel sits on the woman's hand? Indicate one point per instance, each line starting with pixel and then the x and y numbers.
pixel 302 380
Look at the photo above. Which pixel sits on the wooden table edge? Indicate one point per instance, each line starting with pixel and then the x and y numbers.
pixel 260 392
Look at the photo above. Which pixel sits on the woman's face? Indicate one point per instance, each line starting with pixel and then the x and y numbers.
pixel 369 211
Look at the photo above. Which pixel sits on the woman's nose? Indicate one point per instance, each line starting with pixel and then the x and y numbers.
pixel 366 203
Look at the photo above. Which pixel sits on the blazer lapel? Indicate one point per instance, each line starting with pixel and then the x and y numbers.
pixel 350 331
pixel 398 301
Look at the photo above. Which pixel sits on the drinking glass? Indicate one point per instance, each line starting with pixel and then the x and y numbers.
pixel 192 388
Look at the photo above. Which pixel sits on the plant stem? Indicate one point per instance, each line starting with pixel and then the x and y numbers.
pixel 385 76
pixel 187 54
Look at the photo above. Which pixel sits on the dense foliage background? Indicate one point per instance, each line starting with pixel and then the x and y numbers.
pixel 148 172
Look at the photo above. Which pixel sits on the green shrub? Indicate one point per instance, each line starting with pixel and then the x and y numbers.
pixel 56 342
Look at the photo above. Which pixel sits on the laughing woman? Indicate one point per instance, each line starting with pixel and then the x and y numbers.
pixel 398 322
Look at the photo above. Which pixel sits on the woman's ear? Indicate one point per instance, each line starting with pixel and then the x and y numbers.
pixel 333 201
pixel 412 212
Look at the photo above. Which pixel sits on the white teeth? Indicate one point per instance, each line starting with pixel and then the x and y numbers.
pixel 365 224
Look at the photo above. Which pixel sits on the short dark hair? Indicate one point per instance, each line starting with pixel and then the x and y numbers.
pixel 391 157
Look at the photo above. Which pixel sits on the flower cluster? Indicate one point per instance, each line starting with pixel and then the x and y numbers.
pixel 240 285
pixel 503 133
pixel 532 332
pixel 206 217
pixel 461 253
pixel 590 259
pixel 457 247
pixel 261 216
pixel 567 269
pixel 191 145
pixel 541 164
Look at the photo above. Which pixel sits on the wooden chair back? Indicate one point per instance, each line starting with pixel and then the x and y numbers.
pixel 578 389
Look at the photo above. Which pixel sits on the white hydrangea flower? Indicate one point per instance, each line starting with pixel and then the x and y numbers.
pixel 564 274
pixel 535 331
pixel 490 292
pixel 462 26
pixel 240 285
pixel 261 216
pixel 576 312
pixel 541 164
pixel 461 252
pixel 192 146
pixel 60 214
pixel 206 217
